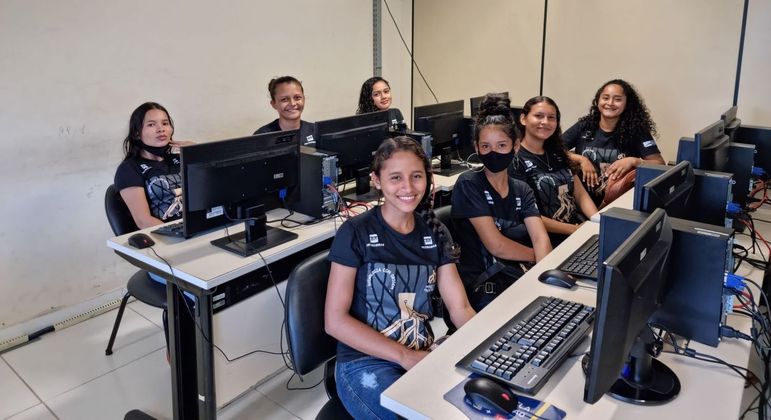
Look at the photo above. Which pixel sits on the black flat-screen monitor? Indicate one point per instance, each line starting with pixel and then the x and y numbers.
pixel 730 121
pixel 669 191
pixel 445 123
pixel 354 140
pixel 238 180
pixel 476 102
pixel 712 146
pixel 630 288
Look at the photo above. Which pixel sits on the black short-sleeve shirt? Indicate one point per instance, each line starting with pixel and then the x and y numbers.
pixel 552 182
pixel 602 148
pixel 160 180
pixel 395 276
pixel 306 131
pixel 474 196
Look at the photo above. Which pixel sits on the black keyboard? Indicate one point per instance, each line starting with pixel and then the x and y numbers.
pixel 583 262
pixel 532 345
pixel 171 229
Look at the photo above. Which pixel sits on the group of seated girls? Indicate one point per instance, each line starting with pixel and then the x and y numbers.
pixel 386 263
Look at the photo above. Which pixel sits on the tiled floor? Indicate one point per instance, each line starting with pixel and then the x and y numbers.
pixel 65 375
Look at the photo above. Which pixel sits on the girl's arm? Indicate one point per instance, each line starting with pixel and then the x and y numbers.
pixel 136 201
pixel 588 171
pixel 583 200
pixel 539 237
pixel 555 226
pixel 454 295
pixel 339 323
pixel 498 244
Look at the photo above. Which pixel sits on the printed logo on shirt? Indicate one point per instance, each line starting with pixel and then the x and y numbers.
pixel 310 140
pixel 518 203
pixel 374 241
pixel 379 272
pixel 649 143
pixel 428 243
pixel 144 168
pixel 529 165
pixel 175 160
pixel 488 197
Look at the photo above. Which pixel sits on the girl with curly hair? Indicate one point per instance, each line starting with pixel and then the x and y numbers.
pixel 375 96
pixel 614 138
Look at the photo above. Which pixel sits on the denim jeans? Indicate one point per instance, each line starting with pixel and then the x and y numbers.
pixel 360 383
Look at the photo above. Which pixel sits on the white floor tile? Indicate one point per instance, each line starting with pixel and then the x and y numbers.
pixel 151 313
pixel 144 384
pixel 304 404
pixel 38 412
pixel 65 359
pixel 254 405
pixel 16 396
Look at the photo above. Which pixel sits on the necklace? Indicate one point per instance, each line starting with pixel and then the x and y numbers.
pixel 546 162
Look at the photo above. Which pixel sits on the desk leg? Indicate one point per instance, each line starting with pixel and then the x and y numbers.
pixel 207 402
pixel 185 369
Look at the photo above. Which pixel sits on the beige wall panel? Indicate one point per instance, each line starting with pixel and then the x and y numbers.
pixel 469 48
pixel 396 58
pixel 681 56
pixel 755 88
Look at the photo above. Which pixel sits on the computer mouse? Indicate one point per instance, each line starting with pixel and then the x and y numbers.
pixel 140 240
pixel 557 278
pixel 490 397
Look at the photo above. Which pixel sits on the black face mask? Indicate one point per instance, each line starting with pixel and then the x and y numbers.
pixel 496 162
pixel 161 151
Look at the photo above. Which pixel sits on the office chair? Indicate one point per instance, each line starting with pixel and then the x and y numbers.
pixel 140 285
pixel 309 344
pixel 443 215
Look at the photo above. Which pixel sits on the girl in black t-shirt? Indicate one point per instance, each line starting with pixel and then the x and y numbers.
pixel 543 163
pixel 613 138
pixel 287 97
pixel 148 179
pixel 496 218
pixel 375 95
pixel 385 265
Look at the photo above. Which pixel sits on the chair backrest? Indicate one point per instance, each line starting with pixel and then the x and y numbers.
pixel 443 215
pixel 306 291
pixel 118 214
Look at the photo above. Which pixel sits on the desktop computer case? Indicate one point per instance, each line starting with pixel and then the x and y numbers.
pixel 311 197
pixel 423 139
pixel 700 256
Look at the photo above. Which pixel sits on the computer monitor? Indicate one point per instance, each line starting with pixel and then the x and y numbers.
pixel 712 147
pixel 730 121
pixel 445 123
pixel 476 102
pixel 669 191
pixel 239 180
pixel 631 285
pixel 354 140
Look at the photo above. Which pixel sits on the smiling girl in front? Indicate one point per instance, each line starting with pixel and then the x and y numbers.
pixel 385 265
pixel 543 163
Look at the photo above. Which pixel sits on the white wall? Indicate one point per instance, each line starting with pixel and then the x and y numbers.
pixel 72 72
pixel 396 58
pixel 755 89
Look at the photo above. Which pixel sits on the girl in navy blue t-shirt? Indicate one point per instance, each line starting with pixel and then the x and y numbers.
pixel 386 263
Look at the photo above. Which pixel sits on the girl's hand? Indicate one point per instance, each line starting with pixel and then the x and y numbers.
pixel 620 167
pixel 588 172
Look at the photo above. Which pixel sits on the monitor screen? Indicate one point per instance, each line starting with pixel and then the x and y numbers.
pixel 238 180
pixel 711 145
pixel 630 288
pixel 669 191
pixel 354 140
pixel 476 102
pixel 445 123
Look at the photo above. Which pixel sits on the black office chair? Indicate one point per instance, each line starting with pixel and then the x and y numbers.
pixel 309 344
pixel 443 215
pixel 140 285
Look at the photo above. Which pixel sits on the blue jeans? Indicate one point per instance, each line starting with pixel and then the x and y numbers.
pixel 360 383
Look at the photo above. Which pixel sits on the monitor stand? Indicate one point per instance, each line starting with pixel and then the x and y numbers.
pixel 644 380
pixel 363 192
pixel 446 168
pixel 256 237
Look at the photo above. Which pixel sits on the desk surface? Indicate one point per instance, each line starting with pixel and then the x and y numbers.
pixel 708 391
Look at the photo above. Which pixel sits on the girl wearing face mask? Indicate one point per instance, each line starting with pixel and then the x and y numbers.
pixel 375 96
pixel 496 217
pixel 543 163
pixel 614 138
pixel 287 97
pixel 148 179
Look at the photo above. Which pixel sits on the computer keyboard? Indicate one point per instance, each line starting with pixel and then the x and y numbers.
pixel 532 345
pixel 583 262
pixel 171 229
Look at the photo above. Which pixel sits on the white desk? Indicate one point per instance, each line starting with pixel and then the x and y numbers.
pixel 708 391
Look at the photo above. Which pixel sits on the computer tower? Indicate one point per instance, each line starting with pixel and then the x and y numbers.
pixel 318 168
pixel 712 191
pixel 760 137
pixel 423 139
pixel 700 256
pixel 741 159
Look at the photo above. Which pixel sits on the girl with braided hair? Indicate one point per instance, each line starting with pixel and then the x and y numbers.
pixel 613 138
pixel 375 95
pixel 385 265
pixel 497 220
